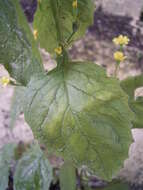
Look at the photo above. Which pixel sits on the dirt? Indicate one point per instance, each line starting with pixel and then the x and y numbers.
pixel 122 7
pixel 21 131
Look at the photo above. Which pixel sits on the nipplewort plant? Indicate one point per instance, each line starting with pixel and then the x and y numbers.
pixel 77 111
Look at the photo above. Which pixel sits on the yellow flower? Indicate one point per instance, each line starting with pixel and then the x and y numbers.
pixel 74 4
pixel 121 40
pixel 5 81
pixel 119 56
pixel 35 33
pixel 58 50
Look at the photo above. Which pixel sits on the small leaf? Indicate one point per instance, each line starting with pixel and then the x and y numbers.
pixel 137 108
pixel 68 177
pixel 18 53
pixel 56 22
pixel 33 171
pixel 6 156
pixel 130 84
pixel 17 104
pixel 82 115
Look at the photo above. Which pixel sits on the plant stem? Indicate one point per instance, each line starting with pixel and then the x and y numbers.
pixel 116 71
pixel 63 59
pixel 116 68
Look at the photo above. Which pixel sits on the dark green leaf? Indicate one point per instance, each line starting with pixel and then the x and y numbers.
pixel 17 104
pixel 6 156
pixel 33 171
pixel 57 22
pixel 68 177
pixel 19 57
pixel 130 84
pixel 81 114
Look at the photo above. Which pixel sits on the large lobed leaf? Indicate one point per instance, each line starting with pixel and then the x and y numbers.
pixel 18 52
pixel 6 156
pixel 33 171
pixel 81 114
pixel 56 21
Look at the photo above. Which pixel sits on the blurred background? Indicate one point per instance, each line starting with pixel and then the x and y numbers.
pixel 111 18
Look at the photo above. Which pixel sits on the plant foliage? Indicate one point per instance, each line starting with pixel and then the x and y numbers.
pixel 33 171
pixel 130 85
pixel 58 23
pixel 6 156
pixel 18 53
pixel 17 104
pixel 81 114
pixel 68 177
pixel 77 111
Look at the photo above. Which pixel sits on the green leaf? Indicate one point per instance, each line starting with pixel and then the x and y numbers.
pixel 18 52
pixel 130 84
pixel 137 108
pixel 17 104
pixel 68 177
pixel 81 114
pixel 33 171
pixel 57 22
pixel 6 156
